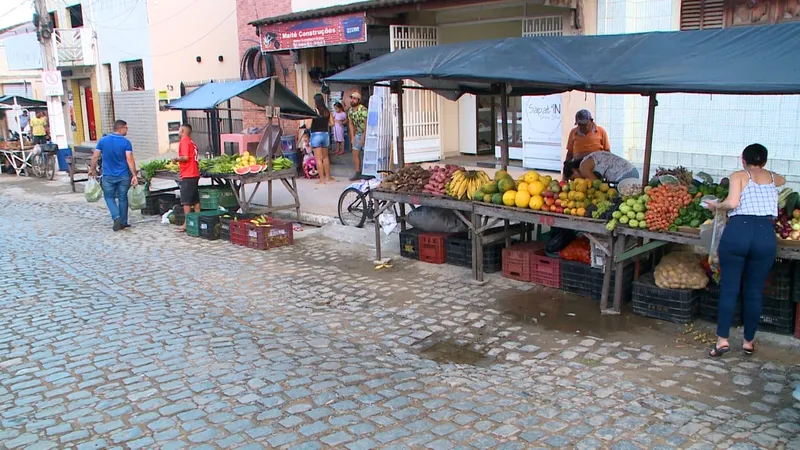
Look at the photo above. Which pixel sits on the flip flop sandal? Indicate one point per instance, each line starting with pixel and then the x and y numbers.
pixel 718 352
pixel 749 351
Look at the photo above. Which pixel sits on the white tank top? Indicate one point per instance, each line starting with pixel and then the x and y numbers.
pixel 757 199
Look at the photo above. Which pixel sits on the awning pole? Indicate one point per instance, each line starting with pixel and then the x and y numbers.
pixel 648 144
pixel 270 115
pixel 397 88
pixel 504 127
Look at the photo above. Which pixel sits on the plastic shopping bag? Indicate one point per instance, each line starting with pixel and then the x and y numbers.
pixel 136 198
pixel 710 235
pixel 92 191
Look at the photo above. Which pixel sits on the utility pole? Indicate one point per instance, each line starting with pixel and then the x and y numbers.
pixel 55 110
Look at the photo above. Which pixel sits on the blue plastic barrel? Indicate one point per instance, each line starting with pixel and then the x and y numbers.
pixel 63 153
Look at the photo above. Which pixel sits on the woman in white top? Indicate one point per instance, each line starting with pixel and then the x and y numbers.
pixel 748 245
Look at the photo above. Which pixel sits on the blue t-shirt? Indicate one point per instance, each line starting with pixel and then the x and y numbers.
pixel 113 148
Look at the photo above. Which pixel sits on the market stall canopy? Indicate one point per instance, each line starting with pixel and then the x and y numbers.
pixel 741 60
pixel 209 95
pixel 7 102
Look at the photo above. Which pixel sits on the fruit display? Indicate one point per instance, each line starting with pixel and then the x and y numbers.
pixel 664 204
pixel 411 178
pixel 466 184
pixel 280 163
pixel 244 160
pixel 440 177
pixel 262 221
pixel 680 173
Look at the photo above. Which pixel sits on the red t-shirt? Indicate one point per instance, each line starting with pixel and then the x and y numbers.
pixel 189 169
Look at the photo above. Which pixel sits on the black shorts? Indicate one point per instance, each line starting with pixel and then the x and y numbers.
pixel 39 140
pixel 190 195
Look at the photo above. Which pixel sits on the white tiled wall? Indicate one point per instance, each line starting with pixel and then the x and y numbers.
pixel 701 132
pixel 138 108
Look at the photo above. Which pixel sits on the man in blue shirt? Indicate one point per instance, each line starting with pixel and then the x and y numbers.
pixel 119 172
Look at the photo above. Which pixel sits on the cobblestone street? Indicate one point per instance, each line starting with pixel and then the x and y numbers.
pixel 146 339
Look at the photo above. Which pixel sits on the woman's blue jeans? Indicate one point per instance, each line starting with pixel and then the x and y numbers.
pixel 746 254
pixel 116 189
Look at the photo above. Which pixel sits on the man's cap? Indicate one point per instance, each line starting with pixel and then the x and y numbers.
pixel 583 117
pixel 356 94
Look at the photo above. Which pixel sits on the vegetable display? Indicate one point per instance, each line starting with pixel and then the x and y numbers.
pixel 680 270
pixel 440 178
pixel 150 168
pixel 411 178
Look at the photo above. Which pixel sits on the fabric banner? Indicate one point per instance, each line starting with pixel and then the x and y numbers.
pixel 346 29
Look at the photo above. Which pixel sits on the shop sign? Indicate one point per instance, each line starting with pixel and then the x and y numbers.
pixel 346 29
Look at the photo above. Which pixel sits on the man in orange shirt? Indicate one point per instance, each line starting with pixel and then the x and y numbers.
pixel 587 137
pixel 189 172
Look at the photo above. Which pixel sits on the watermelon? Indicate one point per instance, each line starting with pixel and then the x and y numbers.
pixel 255 168
pixel 242 170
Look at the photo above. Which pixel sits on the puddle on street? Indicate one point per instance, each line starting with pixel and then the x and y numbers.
pixel 570 313
pixel 446 352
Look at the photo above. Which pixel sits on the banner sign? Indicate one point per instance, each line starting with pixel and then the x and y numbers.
pixel 346 29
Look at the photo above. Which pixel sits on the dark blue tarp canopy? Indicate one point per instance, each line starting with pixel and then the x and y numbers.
pixel 209 95
pixel 7 102
pixel 742 60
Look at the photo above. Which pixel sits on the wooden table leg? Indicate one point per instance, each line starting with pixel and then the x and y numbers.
pixel 375 206
pixel 608 270
pixel 619 268
pixel 477 249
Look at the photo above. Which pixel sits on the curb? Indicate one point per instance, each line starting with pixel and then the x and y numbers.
pixel 306 218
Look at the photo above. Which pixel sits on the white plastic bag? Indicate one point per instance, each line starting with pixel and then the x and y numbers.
pixel 388 221
pixel 165 217
pixel 92 191
pixel 136 198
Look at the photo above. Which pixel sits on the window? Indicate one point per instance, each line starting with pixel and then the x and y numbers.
pixel 543 26
pixel 75 14
pixel 702 14
pixel 54 19
pixel 131 75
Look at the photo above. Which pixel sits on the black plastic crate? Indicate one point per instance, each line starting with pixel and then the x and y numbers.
pixel 409 243
pixel 180 216
pixel 152 206
pixel 209 227
pixel 709 305
pixel 583 279
pixel 458 251
pixel 777 315
pixel 225 223
pixel 672 305
pixel 779 282
pixel 796 283
pixel 167 202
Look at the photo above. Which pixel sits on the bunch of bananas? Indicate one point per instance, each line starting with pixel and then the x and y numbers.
pixel 465 182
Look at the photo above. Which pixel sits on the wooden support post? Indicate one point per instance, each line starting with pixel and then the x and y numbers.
pixel 477 249
pixel 376 205
pixel 648 144
pixel 504 126
pixel 397 88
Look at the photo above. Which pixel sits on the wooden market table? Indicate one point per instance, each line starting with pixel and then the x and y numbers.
pixel 237 183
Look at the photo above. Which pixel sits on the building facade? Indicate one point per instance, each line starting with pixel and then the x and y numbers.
pixel 434 128
pixel 125 59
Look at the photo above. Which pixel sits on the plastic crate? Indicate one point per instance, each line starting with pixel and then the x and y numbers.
pixel 779 281
pixel 709 305
pixel 582 279
pixel 167 202
pixel 672 305
pixel 458 252
pixel 215 198
pixel 210 227
pixel 225 223
pixel 277 233
pixel 193 221
pixel 797 321
pixel 432 248
pixel 777 316
pixel 180 216
pixel 546 270
pixel 239 233
pixel 517 260
pixel 409 243
pixel 152 204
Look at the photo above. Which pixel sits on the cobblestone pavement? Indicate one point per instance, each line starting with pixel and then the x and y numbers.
pixel 145 339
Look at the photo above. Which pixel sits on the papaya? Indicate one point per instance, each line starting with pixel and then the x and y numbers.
pixel 506 184
pixel 478 194
pixel 487 198
pixel 497 199
pixel 500 174
pixel 490 187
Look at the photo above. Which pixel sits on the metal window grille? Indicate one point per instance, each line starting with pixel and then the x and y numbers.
pixel 131 75
pixel 543 26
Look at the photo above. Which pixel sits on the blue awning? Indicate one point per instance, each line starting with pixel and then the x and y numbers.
pixel 741 60
pixel 210 95
pixel 7 102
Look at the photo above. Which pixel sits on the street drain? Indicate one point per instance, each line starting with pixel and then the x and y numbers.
pixel 446 352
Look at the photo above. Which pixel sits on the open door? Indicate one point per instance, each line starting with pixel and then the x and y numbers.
pixel 420 108
pixel 90 119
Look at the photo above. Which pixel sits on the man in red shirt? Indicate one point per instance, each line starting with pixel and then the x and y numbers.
pixel 189 171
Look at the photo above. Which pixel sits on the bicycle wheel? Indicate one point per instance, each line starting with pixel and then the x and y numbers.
pixel 352 208
pixel 37 165
pixel 50 167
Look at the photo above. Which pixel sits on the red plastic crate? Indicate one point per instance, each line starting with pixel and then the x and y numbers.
pixel 546 270
pixel 431 247
pixel 239 233
pixel 517 260
pixel 797 320
pixel 278 234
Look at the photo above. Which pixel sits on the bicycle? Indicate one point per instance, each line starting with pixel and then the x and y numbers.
pixel 43 162
pixel 356 205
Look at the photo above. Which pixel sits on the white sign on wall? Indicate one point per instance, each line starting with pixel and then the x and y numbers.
pixel 53 86
pixel 541 132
